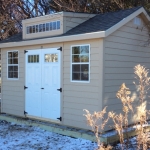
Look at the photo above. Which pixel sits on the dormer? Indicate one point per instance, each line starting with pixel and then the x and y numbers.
pixel 53 24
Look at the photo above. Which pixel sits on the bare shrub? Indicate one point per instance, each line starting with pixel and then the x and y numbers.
pixel 95 121
pixel 121 120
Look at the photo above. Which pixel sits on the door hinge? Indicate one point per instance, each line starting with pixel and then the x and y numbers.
pixel 60 49
pixel 25 51
pixel 60 118
pixel 59 89
pixel 25 112
pixel 25 87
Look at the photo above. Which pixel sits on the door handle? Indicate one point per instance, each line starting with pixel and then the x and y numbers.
pixel 42 88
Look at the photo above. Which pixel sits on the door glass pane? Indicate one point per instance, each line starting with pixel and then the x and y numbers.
pixel 37 58
pixel 51 57
pixel 33 58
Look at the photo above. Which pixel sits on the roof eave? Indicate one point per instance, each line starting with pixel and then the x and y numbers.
pixel 77 37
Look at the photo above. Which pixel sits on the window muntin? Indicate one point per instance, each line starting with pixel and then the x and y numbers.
pixel 48 26
pixel 80 63
pixel 12 65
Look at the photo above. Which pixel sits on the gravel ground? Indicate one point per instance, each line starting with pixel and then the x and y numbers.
pixel 22 137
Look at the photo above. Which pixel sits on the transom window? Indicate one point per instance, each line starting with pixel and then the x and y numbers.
pixel 80 63
pixel 48 26
pixel 13 64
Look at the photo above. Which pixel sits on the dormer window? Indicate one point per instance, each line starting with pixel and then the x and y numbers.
pixel 48 26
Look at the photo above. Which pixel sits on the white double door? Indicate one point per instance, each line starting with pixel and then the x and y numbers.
pixel 42 82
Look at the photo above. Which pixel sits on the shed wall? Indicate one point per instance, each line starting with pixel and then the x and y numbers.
pixel 124 49
pixel 75 96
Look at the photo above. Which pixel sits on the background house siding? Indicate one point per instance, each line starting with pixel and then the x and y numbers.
pixel 124 49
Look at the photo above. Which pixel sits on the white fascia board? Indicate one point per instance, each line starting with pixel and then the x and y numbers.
pixel 77 37
pixel 126 20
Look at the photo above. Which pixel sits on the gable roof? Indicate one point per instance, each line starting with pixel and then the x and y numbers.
pixel 102 22
pixel 100 25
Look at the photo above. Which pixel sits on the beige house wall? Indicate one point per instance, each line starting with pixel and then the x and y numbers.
pixel 75 96
pixel 124 49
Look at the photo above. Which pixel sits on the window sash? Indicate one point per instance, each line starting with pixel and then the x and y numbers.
pixel 82 75
pixel 43 27
pixel 12 68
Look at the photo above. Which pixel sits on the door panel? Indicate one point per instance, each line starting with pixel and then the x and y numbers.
pixel 51 82
pixel 33 82
pixel 43 80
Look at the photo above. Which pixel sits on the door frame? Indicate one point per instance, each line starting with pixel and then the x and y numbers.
pixel 61 85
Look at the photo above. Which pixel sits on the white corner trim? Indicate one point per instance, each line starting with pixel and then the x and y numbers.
pixel 126 20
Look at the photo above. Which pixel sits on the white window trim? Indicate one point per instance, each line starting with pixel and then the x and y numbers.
pixel 45 27
pixel 78 81
pixel 16 65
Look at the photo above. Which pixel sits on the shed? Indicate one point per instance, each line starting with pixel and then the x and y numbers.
pixel 65 62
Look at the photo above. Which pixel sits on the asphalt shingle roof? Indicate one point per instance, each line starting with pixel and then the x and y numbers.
pixel 100 22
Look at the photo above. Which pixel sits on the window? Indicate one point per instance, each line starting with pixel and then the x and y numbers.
pixel 43 27
pixel 51 57
pixel 137 21
pixel 33 58
pixel 48 26
pixel 33 29
pixel 51 25
pixel 13 64
pixel 54 25
pixel 40 28
pixel 37 28
pixel 58 25
pixel 80 63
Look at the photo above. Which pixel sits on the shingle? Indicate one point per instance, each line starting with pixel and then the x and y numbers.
pixel 100 22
